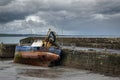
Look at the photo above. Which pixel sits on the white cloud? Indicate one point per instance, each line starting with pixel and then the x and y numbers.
pixel 100 17
pixel 35 19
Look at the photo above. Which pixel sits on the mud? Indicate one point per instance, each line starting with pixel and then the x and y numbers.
pixel 44 73
pixel 13 71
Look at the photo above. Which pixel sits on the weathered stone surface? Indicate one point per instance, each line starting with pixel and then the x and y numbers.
pixel 7 50
pixel 105 63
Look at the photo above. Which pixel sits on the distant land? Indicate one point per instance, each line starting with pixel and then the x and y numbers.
pixel 17 35
pixel 75 36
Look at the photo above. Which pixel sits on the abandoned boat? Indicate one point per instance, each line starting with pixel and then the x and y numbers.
pixel 40 52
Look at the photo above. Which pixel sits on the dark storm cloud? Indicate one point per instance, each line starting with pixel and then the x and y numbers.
pixel 108 6
pixel 70 15
pixel 4 2
pixel 10 16
pixel 15 10
pixel 112 10
pixel 19 9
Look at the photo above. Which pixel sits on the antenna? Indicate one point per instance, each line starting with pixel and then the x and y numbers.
pixel 62 35
pixel 31 31
pixel 62 30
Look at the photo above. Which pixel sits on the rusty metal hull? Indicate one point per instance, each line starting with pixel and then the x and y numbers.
pixel 34 56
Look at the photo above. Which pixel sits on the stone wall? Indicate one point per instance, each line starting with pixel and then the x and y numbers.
pixel 104 63
pixel 110 43
pixel 7 50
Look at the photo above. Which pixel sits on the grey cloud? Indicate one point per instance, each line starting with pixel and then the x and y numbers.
pixel 11 16
pixel 19 9
pixel 67 14
pixel 107 6
pixel 4 2
pixel 111 10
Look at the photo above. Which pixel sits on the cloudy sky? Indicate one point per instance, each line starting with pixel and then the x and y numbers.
pixel 70 17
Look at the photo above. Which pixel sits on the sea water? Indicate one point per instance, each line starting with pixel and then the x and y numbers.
pixel 11 40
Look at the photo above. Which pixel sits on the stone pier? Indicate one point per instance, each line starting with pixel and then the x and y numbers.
pixel 100 62
pixel 7 50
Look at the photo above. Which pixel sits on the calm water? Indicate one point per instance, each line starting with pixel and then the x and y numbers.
pixel 10 40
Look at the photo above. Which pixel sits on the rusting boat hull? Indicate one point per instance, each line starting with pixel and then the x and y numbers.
pixel 35 55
